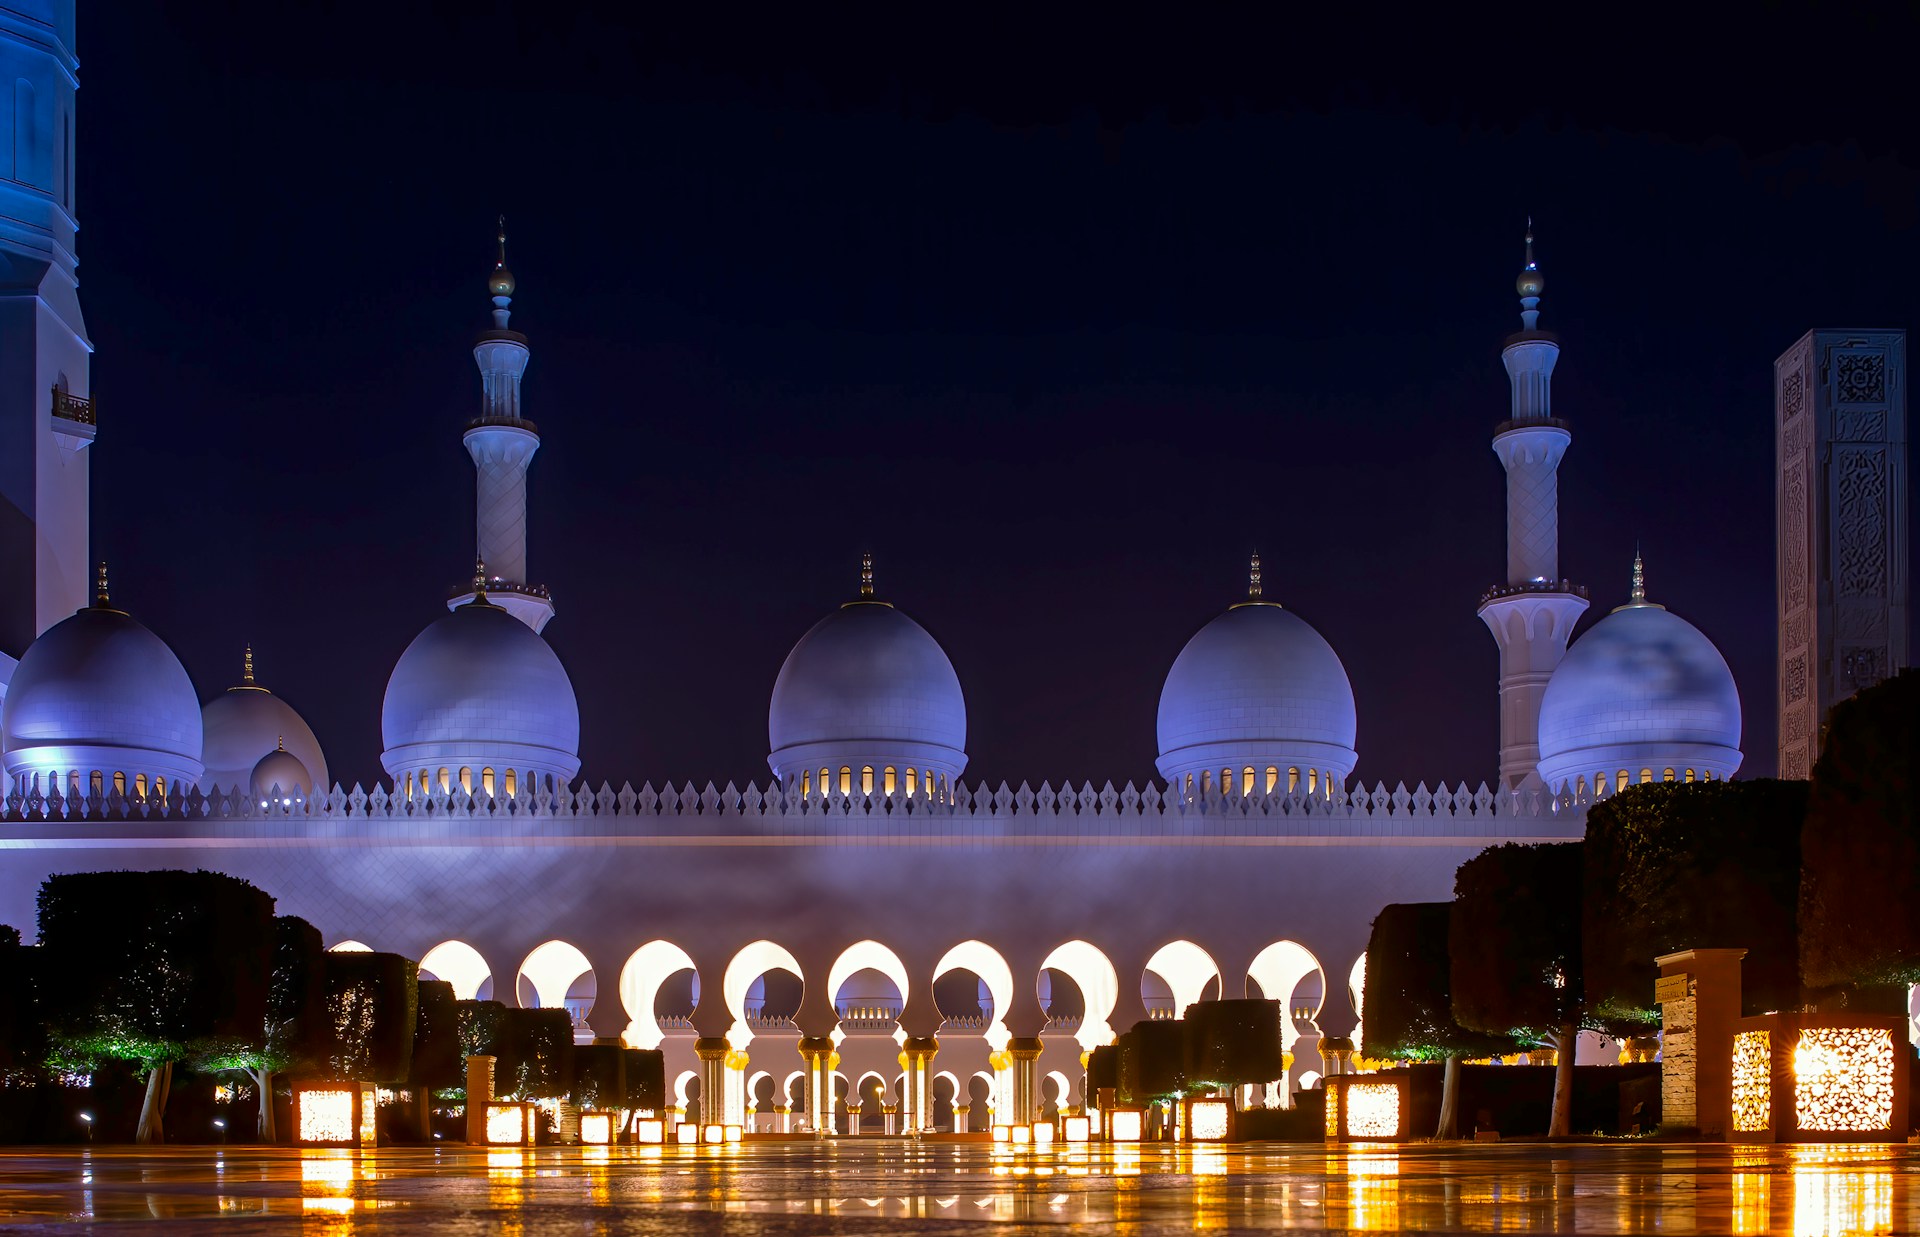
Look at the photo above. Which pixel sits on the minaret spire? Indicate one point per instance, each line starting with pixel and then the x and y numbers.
pixel 1253 578
pixel 1533 611
pixel 502 443
pixel 1638 595
pixel 100 595
pixel 246 672
pixel 866 577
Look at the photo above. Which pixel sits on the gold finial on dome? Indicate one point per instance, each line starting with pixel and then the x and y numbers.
pixel 1253 579
pixel 500 282
pixel 480 578
pixel 100 597
pixel 280 743
pixel 1638 595
pixel 246 673
pixel 866 577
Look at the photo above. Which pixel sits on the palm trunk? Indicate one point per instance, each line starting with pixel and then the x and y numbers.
pixel 263 1083
pixel 1450 1100
pixel 153 1108
pixel 1565 1043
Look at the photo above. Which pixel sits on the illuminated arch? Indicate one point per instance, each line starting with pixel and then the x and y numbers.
pixel 1187 969
pixel 867 956
pixel 645 971
pixel 461 965
pixel 1066 1088
pixel 1278 969
pixel 1088 967
pixel 552 968
pixel 753 1081
pixel 986 962
pixel 787 1095
pixel 953 1081
pixel 1356 993
pixel 860 1082
pixel 749 964
pixel 349 947
pixel 680 1088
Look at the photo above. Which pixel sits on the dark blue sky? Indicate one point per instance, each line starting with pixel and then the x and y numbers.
pixel 1060 322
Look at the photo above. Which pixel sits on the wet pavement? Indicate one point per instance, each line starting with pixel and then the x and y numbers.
pixel 889 1186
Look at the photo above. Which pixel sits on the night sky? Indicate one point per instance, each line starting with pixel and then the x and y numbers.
pixel 1059 322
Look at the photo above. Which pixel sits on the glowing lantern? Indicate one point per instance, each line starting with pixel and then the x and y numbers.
pixel 1077 1129
pixel 1125 1125
pixel 1819 1078
pixel 596 1128
pixel 1367 1108
pixel 333 1114
pixel 650 1130
pixel 1209 1120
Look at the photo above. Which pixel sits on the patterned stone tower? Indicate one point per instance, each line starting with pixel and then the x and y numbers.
pixel 1532 614
pixel 1840 423
pixel 502 443
pixel 46 406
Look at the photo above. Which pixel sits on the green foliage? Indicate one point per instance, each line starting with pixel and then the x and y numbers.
pixel 597 1081
pixel 153 965
pixel 537 1055
pixel 1153 1061
pixel 1691 865
pixel 437 1059
pixel 644 1071
pixel 1234 1041
pixel 1513 941
pixel 372 1002
pixel 481 1024
pixel 1103 1068
pixel 1407 1006
pixel 1860 848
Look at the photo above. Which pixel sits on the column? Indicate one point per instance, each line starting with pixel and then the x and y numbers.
pixel 853 1118
pixel 1025 1052
pixel 817 1051
pixel 960 1114
pixel 713 1079
pixel 916 1057
pixel 889 1119
pixel 1699 995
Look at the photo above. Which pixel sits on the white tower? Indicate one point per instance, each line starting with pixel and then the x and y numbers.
pixel 46 406
pixel 1532 614
pixel 502 443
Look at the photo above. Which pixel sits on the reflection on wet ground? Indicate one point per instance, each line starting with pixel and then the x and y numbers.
pixel 894 1186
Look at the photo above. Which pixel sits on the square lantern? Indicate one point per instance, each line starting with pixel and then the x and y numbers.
pixel 1002 1133
pixel 1022 1135
pixel 1819 1078
pixel 713 1135
pixel 1077 1129
pixel 1209 1120
pixel 510 1124
pixel 686 1134
pixel 334 1114
pixel 1367 1108
pixel 1043 1133
pixel 597 1128
pixel 1125 1125
pixel 650 1130
pixel 735 1133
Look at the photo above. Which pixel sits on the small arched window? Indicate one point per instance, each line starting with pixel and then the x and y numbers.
pixel 912 782
pixel 1620 781
pixel 466 778
pixel 1246 780
pixel 445 783
pixel 887 781
pixel 1709 775
pixel 1689 775
pixel 1293 781
pixel 160 787
pixel 120 784
pixel 486 781
pixel 1646 775
pixel 1667 776
pixel 1313 781
pixel 846 779
pixel 139 785
pixel 866 779
pixel 806 784
pixel 94 781
pixel 512 784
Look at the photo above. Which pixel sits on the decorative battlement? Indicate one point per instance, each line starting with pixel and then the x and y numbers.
pixel 70 407
pixel 1566 587
pixel 772 811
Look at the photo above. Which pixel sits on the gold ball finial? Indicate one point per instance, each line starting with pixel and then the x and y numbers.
pixel 246 674
pixel 500 282
pixel 100 597
pixel 1638 595
pixel 866 577
pixel 1253 579
pixel 480 578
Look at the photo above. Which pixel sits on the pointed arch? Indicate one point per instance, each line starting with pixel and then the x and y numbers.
pixel 749 964
pixel 641 977
pixel 1188 971
pixel 551 969
pixel 867 956
pixel 461 965
pixel 1093 971
pixel 986 962
pixel 1278 969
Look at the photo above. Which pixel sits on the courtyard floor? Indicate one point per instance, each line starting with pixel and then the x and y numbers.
pixel 890 1186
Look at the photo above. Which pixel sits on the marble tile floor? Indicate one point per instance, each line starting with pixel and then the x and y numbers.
pixel 894 1186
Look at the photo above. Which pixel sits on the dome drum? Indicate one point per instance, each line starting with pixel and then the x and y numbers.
pixel 62 765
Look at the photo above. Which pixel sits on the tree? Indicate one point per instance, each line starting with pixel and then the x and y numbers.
pixel 437 1063
pixel 293 1023
pixel 372 1004
pixel 598 1081
pixel 1233 1043
pixel 482 1028
pixel 1513 945
pixel 644 1073
pixel 1153 1061
pixel 1860 847
pixel 537 1054
pixel 1407 1006
pixel 153 967
pixel 23 1038
pixel 1684 865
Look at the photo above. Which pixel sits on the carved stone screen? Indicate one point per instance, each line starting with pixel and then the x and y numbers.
pixel 1840 418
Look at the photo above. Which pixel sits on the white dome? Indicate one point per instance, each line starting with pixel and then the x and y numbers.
pixel 479 690
pixel 98 692
pixel 248 722
pixel 867 687
pixel 282 770
pixel 1257 687
pixel 1642 689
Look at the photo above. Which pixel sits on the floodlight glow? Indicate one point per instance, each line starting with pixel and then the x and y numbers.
pixel 713 1134
pixel 1002 1133
pixel 1752 1081
pixel 735 1133
pixel 652 1130
pixel 1043 1133
pixel 686 1134
pixel 1077 1129
pixel 325 1116
pixel 1022 1135
pixel 1124 1125
pixel 1373 1110
pixel 1843 1079
pixel 596 1128
pixel 506 1125
pixel 1208 1120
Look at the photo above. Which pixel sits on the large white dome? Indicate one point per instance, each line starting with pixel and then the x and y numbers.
pixel 479 691
pixel 246 723
pixel 1643 689
pixel 867 687
pixel 99 693
pixel 1257 688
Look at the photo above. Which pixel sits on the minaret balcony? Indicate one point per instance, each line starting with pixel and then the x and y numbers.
pixel 1533 423
pixel 513 423
pixel 73 419
pixel 1532 587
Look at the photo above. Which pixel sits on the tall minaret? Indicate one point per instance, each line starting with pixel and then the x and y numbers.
pixel 502 443
pixel 46 405
pixel 1533 612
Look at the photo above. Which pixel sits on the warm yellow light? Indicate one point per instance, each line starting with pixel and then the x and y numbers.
pixel 1373 1110
pixel 1077 1129
pixel 713 1134
pixel 686 1134
pixel 1333 1112
pixel 650 1130
pixel 596 1128
pixel 1022 1135
pixel 1124 1124
pixel 1843 1079
pixel 735 1133
pixel 1002 1133
pixel 1752 1081
pixel 1043 1133
pixel 506 1124
pixel 1207 1120
pixel 325 1116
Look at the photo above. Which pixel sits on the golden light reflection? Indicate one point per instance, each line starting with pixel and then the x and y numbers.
pixel 334 1170
pixel 1843 1079
pixel 1830 1201
pixel 1752 1081
pixel 1752 1204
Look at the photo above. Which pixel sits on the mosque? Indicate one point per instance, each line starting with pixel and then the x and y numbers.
pixel 1017 928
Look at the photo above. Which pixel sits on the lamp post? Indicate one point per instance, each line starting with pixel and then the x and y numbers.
pixel 86 1119
pixel 221 1125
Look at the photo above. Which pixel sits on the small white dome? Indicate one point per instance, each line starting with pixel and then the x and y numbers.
pixel 479 690
pixel 1257 687
pixel 1642 689
pixel 281 770
pixel 98 692
pixel 867 687
pixel 248 722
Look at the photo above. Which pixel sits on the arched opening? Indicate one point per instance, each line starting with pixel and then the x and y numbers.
pixel 1287 971
pixel 558 976
pixel 350 947
pixel 1357 995
pixel 744 972
pixel 1099 988
pixel 466 779
pixel 486 782
pixel 1056 1095
pixel 1179 974
pixel 870 986
pixel 461 965
pixel 652 1000
pixel 981 987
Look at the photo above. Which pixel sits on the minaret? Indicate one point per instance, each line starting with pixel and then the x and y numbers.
pixel 502 443
pixel 1532 614
pixel 46 406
